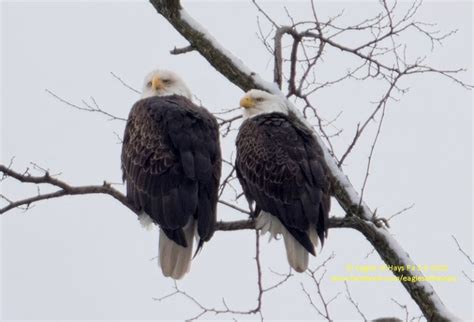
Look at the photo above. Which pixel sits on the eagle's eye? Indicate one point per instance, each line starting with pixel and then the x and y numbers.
pixel 148 84
pixel 166 81
pixel 259 99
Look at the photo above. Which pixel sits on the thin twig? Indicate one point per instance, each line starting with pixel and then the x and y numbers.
pixel 124 83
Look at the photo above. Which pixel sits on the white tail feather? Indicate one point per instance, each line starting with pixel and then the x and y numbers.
pixel 313 236
pixel 296 254
pixel 175 260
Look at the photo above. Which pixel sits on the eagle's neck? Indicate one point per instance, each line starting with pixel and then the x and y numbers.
pixel 181 91
pixel 270 108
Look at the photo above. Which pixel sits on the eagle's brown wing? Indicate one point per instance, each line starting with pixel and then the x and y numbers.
pixel 171 162
pixel 280 167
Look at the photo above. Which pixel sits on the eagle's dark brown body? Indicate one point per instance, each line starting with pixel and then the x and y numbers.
pixel 171 162
pixel 281 168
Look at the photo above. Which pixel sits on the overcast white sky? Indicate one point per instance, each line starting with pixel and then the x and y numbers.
pixel 87 258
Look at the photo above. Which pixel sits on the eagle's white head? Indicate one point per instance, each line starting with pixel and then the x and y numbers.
pixel 256 102
pixel 163 83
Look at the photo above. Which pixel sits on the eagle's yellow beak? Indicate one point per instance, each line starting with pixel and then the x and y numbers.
pixel 247 102
pixel 156 83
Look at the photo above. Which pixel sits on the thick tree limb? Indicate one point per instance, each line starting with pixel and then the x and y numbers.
pixel 199 41
pixel 360 216
pixel 66 189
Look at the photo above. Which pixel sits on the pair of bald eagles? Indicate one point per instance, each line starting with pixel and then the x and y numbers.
pixel 171 162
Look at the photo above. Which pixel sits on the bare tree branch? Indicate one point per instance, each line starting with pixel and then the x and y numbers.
pixel 94 108
pixel 227 310
pixel 462 251
pixel 183 50
pixel 234 70
pixel 64 189
pixel 354 303
pixel 124 83
pixel 309 42
pixel 317 281
pixel 470 279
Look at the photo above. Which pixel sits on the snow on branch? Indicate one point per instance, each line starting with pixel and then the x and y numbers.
pixel 359 216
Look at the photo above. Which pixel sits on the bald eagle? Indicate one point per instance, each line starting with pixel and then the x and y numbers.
pixel 281 169
pixel 171 162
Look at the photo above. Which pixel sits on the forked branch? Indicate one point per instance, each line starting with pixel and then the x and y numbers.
pixel 358 212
